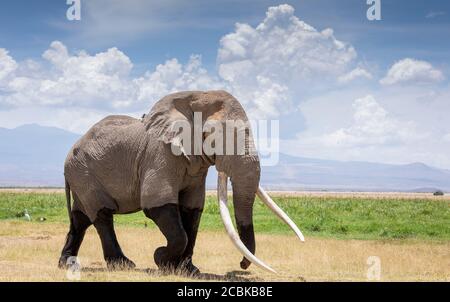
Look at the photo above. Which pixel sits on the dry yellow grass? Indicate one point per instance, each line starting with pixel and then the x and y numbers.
pixel 30 253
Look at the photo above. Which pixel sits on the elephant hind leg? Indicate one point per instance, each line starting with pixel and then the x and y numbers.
pixel 78 226
pixel 114 257
pixel 168 220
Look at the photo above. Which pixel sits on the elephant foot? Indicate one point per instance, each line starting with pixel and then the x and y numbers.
pixel 163 261
pixel 245 263
pixel 119 263
pixel 186 267
pixel 66 261
pixel 62 263
pixel 174 266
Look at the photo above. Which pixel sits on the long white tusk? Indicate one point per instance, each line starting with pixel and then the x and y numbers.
pixel 226 218
pixel 265 198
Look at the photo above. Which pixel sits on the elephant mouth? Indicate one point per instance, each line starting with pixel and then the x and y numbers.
pixel 228 224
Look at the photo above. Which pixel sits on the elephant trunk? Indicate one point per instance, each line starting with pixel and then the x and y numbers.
pixel 245 183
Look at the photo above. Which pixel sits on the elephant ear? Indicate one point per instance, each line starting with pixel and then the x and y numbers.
pixel 164 127
pixel 178 110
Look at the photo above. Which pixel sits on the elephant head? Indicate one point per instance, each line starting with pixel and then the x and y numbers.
pixel 241 165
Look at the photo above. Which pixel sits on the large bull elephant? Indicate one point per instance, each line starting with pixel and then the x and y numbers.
pixel 123 165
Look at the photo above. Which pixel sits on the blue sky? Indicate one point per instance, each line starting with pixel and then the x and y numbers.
pixel 365 90
pixel 28 27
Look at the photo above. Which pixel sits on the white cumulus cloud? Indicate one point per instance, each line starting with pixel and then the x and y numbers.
pixel 356 73
pixel 372 125
pixel 412 71
pixel 282 54
pixel 173 76
pixel 100 81
pixel 7 64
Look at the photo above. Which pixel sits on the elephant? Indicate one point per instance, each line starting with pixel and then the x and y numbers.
pixel 125 165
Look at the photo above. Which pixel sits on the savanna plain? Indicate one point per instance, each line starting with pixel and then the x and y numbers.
pixel 408 233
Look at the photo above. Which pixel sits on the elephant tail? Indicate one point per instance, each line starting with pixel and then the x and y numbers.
pixel 68 200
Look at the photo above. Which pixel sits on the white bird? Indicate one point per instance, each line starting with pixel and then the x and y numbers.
pixel 26 215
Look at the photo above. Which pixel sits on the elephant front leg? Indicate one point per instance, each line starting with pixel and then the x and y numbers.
pixel 192 202
pixel 191 220
pixel 168 220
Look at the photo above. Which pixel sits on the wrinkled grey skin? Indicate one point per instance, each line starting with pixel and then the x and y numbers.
pixel 124 165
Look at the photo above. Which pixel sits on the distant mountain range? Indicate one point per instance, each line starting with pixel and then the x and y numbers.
pixel 33 155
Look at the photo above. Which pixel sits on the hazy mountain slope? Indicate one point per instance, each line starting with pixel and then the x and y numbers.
pixel 32 155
